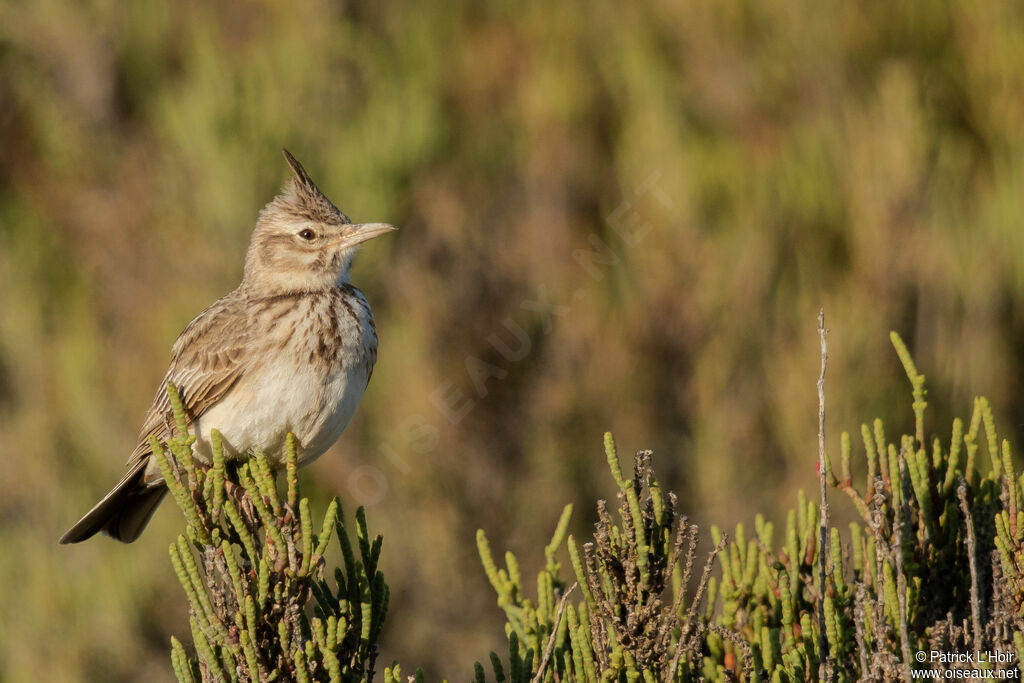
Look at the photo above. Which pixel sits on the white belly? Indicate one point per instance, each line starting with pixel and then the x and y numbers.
pixel 259 413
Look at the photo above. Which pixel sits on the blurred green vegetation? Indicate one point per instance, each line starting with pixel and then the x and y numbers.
pixel 865 157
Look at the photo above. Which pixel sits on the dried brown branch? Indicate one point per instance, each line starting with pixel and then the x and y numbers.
pixel 972 559
pixel 824 668
pixel 554 635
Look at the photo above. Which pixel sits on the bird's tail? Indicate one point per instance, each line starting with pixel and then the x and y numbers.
pixel 124 512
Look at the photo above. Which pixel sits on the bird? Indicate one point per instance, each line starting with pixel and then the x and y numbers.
pixel 290 350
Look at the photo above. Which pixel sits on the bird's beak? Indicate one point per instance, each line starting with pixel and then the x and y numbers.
pixel 365 231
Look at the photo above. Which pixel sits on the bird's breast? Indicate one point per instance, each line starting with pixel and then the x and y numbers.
pixel 311 366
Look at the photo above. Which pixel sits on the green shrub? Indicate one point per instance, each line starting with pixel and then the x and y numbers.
pixel 913 575
pixel 253 570
pixel 935 562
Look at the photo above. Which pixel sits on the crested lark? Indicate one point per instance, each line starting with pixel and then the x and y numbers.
pixel 290 350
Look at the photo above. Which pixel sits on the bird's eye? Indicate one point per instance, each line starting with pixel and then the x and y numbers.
pixel 307 234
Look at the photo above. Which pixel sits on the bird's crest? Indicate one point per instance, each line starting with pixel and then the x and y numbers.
pixel 301 196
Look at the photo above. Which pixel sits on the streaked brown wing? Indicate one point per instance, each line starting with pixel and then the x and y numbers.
pixel 207 359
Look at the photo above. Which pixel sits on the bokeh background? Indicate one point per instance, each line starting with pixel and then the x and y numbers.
pixel 615 216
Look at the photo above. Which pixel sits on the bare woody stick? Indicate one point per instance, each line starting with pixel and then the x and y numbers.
pixel 554 635
pixel 823 666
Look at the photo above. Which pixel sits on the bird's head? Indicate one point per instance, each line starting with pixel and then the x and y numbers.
pixel 302 241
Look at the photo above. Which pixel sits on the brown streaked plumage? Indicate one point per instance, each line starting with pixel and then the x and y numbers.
pixel 290 350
